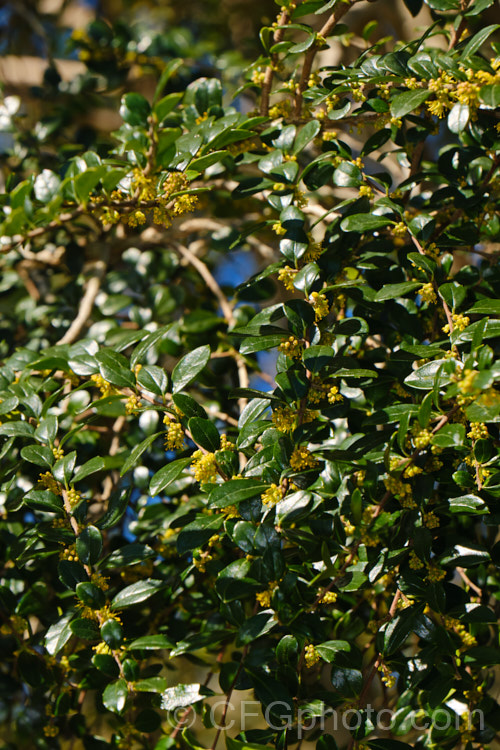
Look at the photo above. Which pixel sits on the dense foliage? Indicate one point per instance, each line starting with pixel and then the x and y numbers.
pixel 178 523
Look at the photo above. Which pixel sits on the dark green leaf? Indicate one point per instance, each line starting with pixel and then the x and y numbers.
pixel 167 474
pixel 136 593
pixel 189 367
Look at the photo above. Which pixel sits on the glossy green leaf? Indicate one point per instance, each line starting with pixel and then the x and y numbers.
pixel 136 593
pixel 189 367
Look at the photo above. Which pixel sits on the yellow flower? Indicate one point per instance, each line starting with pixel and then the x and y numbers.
pixel 434 573
pixel 311 656
pixel 334 395
pixel 174 437
pixel 431 521
pixel 320 305
pixel 204 467
pixel 302 458
pixel 264 597
pixel 477 431
pixel 286 275
pixel 284 418
pixel 414 562
pixel 291 347
pixel 427 293
pixel 272 495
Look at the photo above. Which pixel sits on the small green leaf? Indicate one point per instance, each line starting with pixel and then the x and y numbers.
pixel 116 508
pixel 136 593
pixel 393 291
pixel 85 628
pixel 114 368
pixel 458 117
pixel 137 452
pixel 115 695
pixel 150 643
pixel 181 696
pixel 58 634
pixel 153 379
pixel 189 367
pixel 89 545
pixel 91 466
pixel 403 104
pixel 167 474
pixel 364 222
pixel 466 504
pixel 236 490
pixel 38 454
pixel 328 649
pixel 204 433
pixel 17 429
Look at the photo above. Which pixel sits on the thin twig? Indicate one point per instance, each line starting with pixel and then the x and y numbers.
pixel 226 308
pixel 339 11
pixel 97 273
pixel 278 35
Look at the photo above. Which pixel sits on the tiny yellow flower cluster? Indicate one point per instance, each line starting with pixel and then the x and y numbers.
pixel 349 528
pixel 466 383
pixel 272 495
pixel 48 481
pixel 100 581
pixel 333 395
pixel 399 229
pixel 477 431
pixel 278 229
pixel 132 404
pixel 320 305
pixel 50 730
pixel 466 728
pixel 230 511
pixel 427 293
pixel 287 275
pixel 359 477
pixel 284 418
pixel 434 573
pixel 74 497
pixel 204 467
pixel 311 656
pixel 402 489
pixel 460 323
pixel 388 678
pixel 264 597
pixel 200 563
pixel 291 347
pixel 301 459
pixel 330 597
pixel 103 385
pixel 134 218
pixel 57 453
pixel 467 638
pixel 258 77
pixel 412 471
pixel 365 192
pixel 226 444
pixel 281 109
pixel 313 252
pixel 69 553
pixel 415 562
pixel 431 521
pixel 174 437
pixel 102 648
pixel 421 437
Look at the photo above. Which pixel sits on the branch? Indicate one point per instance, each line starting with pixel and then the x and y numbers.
pixel 226 308
pixel 268 76
pixel 340 10
pixel 86 304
